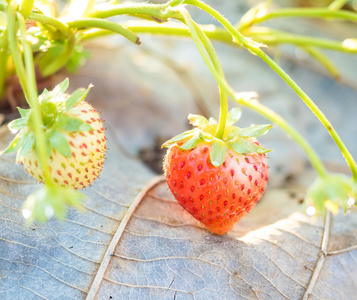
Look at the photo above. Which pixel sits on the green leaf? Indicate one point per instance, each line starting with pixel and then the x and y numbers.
pixel 244 146
pixel 197 120
pixel 27 144
pixel 24 112
pixel 17 124
pixel 218 152
pixel 45 96
pixel 231 132
pixel 254 131
pixel 77 59
pixel 192 142
pixel 60 143
pixel 233 116
pixel 17 142
pixel 179 137
pixel 331 192
pixel 72 124
pixel 76 97
pixel 60 88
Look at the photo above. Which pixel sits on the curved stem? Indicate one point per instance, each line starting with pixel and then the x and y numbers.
pixel 283 124
pixel 247 43
pixel 27 80
pixel 175 2
pixel 104 24
pixel 36 117
pixel 26 7
pixel 15 52
pixel 260 34
pixel 271 36
pixel 216 69
pixel 62 27
pixel 321 13
pixel 159 12
pixel 200 38
pixel 324 61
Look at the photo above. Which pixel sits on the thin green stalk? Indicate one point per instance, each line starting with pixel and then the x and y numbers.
pixel 169 28
pixel 260 34
pixel 321 13
pixel 175 2
pixel 324 61
pixel 16 55
pixel 257 51
pixel 284 125
pixel 36 117
pixel 217 65
pixel 104 24
pixel 3 60
pixel 216 68
pixel 26 7
pixel 62 27
pixel 158 12
pixel 270 36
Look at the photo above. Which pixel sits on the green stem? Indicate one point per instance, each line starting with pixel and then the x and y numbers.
pixel 15 52
pixel 284 125
pixel 62 27
pixel 216 70
pixel 324 61
pixel 263 35
pixel 104 24
pixel 321 13
pixel 257 51
pixel 26 7
pixel 175 2
pixel 36 117
pixel 4 46
pixel 271 37
pixel 200 38
pixel 159 12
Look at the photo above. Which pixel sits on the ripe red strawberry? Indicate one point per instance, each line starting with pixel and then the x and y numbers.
pixel 217 181
pixel 75 138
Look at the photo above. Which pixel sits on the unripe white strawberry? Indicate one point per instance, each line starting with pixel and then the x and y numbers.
pixel 87 153
pixel 74 135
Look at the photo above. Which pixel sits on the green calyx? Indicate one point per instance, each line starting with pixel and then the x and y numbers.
pixel 54 106
pixel 332 192
pixel 240 140
pixel 51 201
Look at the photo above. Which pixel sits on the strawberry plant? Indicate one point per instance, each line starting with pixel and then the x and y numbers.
pixel 216 171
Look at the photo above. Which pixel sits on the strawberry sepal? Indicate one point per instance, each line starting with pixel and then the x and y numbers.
pixel 240 140
pixel 331 192
pixel 51 201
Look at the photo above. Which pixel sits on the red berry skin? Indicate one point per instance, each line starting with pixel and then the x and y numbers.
pixel 216 196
